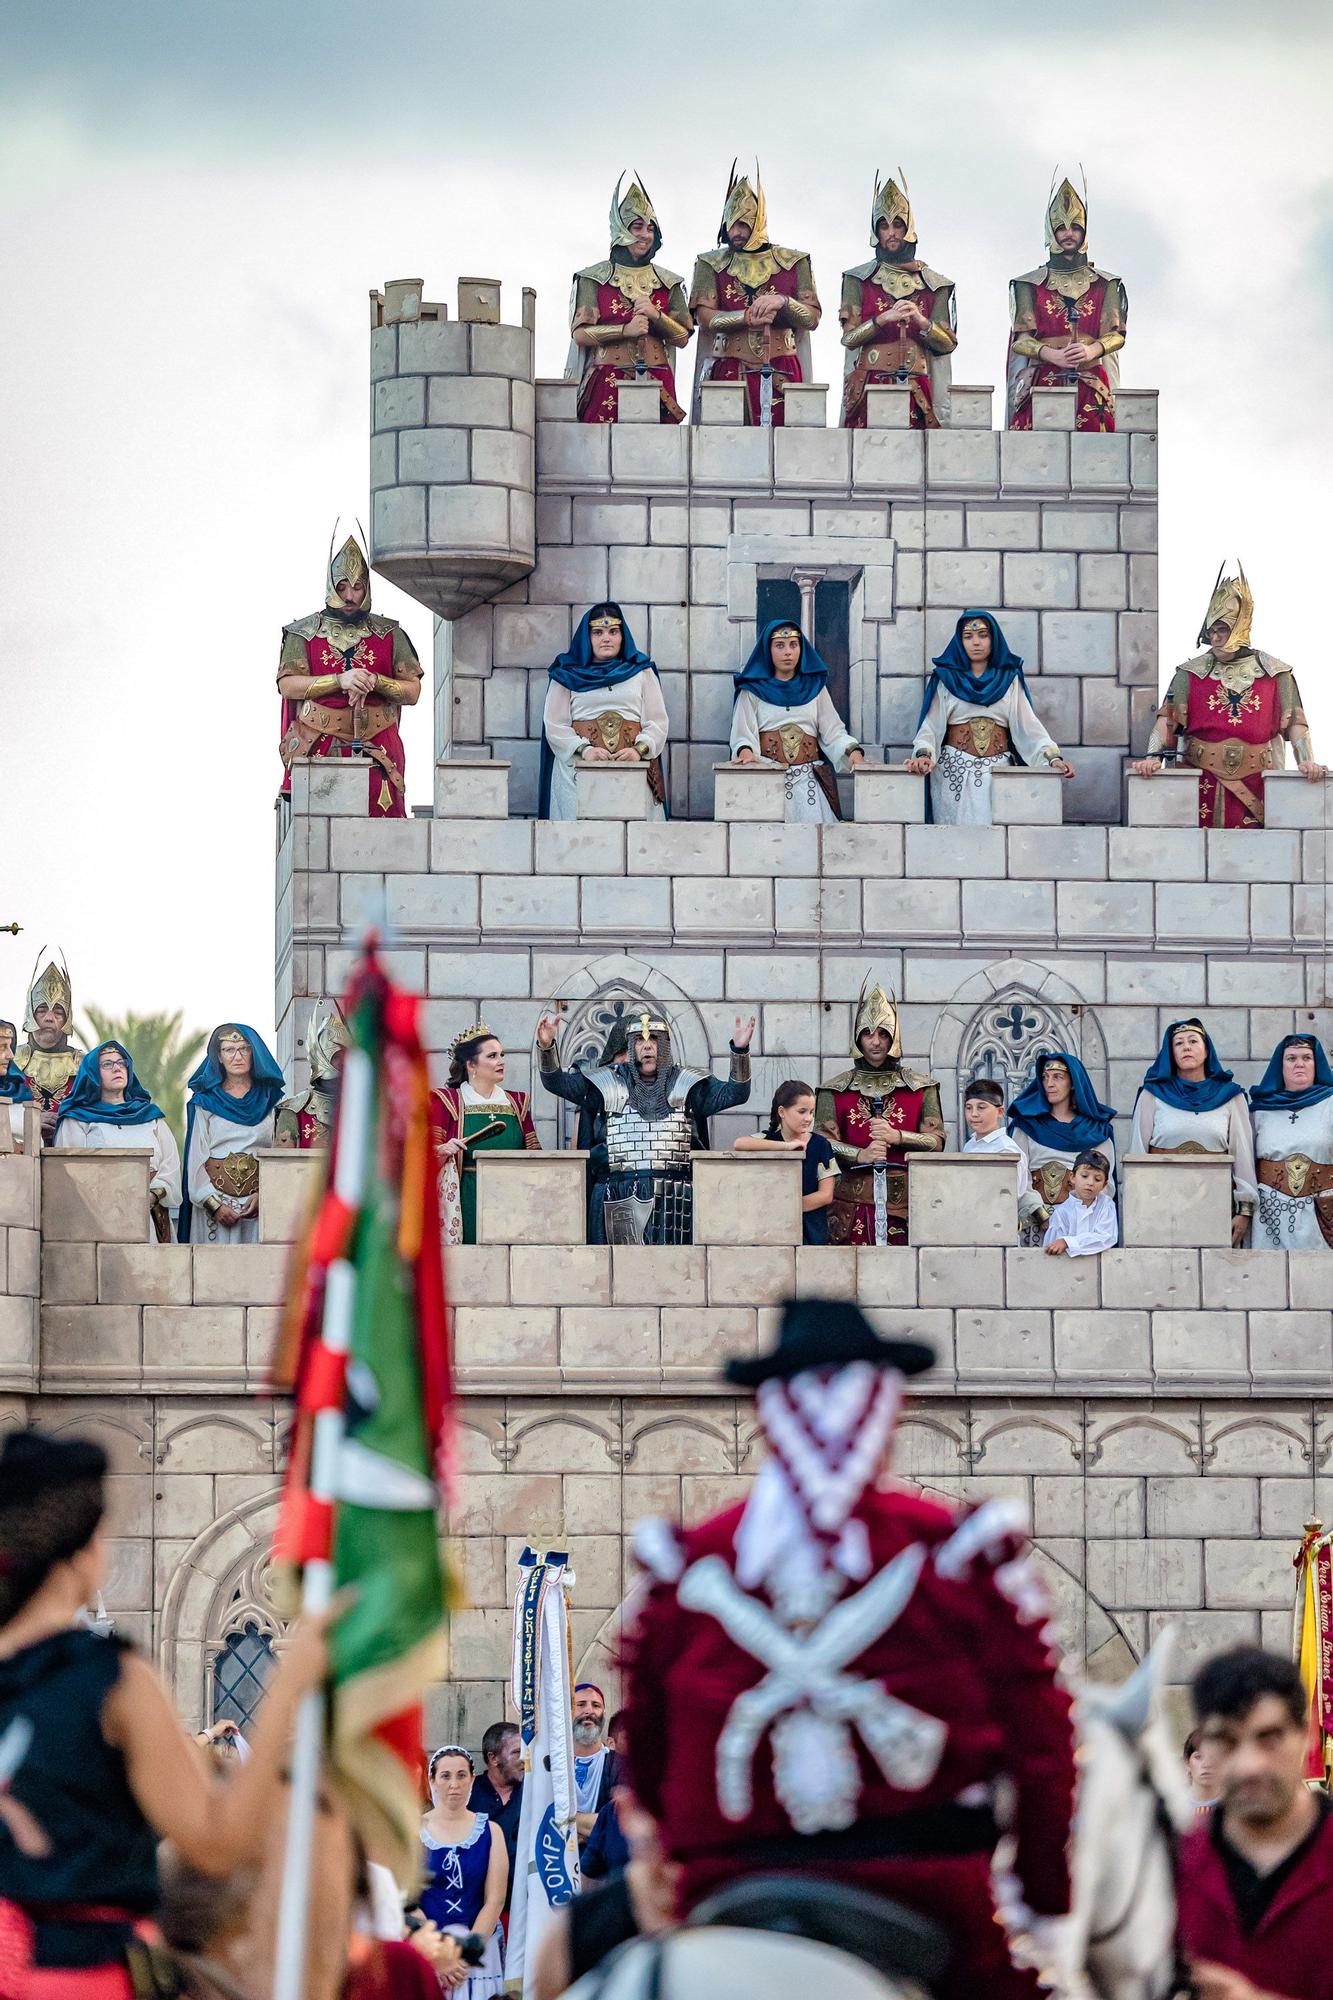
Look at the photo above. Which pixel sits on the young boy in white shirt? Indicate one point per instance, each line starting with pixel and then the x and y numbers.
pixel 983 1114
pixel 1085 1221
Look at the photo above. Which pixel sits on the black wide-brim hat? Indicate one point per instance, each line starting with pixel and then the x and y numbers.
pixel 32 1462
pixel 827 1333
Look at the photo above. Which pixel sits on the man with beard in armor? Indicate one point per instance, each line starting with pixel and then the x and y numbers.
pixel 648 1114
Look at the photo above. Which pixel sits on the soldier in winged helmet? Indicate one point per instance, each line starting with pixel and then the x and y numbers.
pixel 306 1122
pixel 898 319
pixel 48 1058
pixel 628 315
pixel 873 1115
pixel 1067 323
pixel 344 676
pixel 756 306
pixel 1236 710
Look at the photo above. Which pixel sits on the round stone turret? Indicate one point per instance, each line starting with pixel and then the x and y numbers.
pixel 451 445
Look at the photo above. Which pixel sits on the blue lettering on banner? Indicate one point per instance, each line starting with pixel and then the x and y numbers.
pixel 552 1865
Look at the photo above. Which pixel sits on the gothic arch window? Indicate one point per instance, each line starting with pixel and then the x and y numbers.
pixel 241 1672
pixel 1006 1033
pixel 586 1035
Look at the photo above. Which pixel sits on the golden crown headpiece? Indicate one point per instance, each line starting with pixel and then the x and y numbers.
pixel 647 1024
pixel 745 204
pixel 477 1032
pixel 349 565
pixel 977 625
pixel 49 987
pixel 1233 602
pixel 231 1037
pixel 875 1009
pixel 892 203
pixel 1067 209
pixel 786 628
pixel 607 622
pixel 326 1039
pixel 633 205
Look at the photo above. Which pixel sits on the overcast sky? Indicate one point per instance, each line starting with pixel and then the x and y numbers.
pixel 196 198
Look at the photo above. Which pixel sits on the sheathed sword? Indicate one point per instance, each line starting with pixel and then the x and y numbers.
pixel 881 1172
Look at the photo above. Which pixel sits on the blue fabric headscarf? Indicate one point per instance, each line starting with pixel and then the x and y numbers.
pixel 1216 1085
pixel 577 670
pixel 759 678
pixel 84 1101
pixel 14 1085
pixel 1030 1111
pixel 207 1094
pixel 1271 1094
pixel 953 669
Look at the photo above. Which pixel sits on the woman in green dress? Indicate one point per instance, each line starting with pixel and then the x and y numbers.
pixel 474 1113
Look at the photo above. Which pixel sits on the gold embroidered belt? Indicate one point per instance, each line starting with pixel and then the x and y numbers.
pixel 235 1175
pixel 611 731
pixel 980 737
pixel 789 745
pixel 1052 1180
pixel 653 353
pixel 1229 759
pixel 754 345
pixel 859 1187
pixel 889 353
pixel 1296 1176
pixel 376 717
pixel 1189 1146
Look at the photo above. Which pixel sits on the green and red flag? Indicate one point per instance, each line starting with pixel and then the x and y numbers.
pixel 366 1349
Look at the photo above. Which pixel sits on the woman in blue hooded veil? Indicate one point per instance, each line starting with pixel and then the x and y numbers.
pixel 603 705
pixel 1054 1118
pixel 108 1106
pixel 1292 1104
pixel 1189 1104
pixel 976 714
pixel 233 1095
pixel 784 715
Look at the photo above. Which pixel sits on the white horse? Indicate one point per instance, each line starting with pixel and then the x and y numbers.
pixel 1119 1942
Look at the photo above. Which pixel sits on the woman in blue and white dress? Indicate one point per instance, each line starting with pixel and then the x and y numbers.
pixel 1292 1106
pixel 976 714
pixel 784 715
pixel 467 1871
pixel 1190 1104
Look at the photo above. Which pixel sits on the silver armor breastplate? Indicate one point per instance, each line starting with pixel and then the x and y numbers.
pixel 633 1146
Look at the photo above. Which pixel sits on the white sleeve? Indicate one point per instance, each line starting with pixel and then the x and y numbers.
pixel 166 1169
pixel 1032 739
pixel 1099 1232
pixel 199 1187
pixel 744 724
pixel 1144 1115
pixel 1240 1136
pixel 654 725
pixel 1024 1173
pixel 930 729
pixel 835 738
pixel 72 1132
pixel 557 721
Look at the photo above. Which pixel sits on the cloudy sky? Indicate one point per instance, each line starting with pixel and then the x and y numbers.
pixel 196 198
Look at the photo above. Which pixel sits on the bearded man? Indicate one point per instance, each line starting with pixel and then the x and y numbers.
pixel 48 1058
pixel 756 306
pixel 1067 323
pixel 898 319
pixel 1237 708
pixel 627 316
pixel 645 1116
pixel 872 1115
pixel 344 677
pixel 596 1765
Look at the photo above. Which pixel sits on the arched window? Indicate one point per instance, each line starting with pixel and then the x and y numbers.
pixel 1003 1037
pixel 241 1673
pixel 586 1035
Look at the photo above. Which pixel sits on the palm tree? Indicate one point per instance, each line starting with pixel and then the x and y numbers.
pixel 163 1055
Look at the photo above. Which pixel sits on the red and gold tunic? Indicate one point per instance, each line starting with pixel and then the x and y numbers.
pixel 607 297
pixel 726 284
pixel 876 354
pixel 1049 308
pixel 1236 718
pixel 844 1108
pixel 323 724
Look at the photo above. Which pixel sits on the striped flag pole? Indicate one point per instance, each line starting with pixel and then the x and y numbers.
pixel 349 1178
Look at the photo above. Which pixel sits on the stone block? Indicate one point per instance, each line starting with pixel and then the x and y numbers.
pixel 1176 1200
pixel 649 575
pixel 638 403
pixel 557 401
pixel 765 849
pixel 1031 1278
pixel 812 458
pixel 962 1198
pixel 288 1182
pixel 1165 1571
pixel 1072 1505
pixel 85 1344
pixel 399 402
pixel 466 847
pixel 1034 461
pixel 134 1274
pixel 573 454
pixel 478 1274
pixel 722 402
pixel 1144 853
pixel 560 1275
pixel 612 791
pixel 1169 798
pixel 472 788
pixel 609 1341
pixel 861 850
pixel 1151 1277
pixel 1202 1506
pixel 365 845
pixel 1116 912
pixel 430 457
pixel 433 902
pixel 1002 528
pixel 970 406
pixel 825 1271
pixel 962 577
pixel 94 1197
pixel 577 847
pixel 628 905
pixel 1237 1280
pixel 1040 582
pixel 749 1198
pixel 747 792
pixel 183 1341
pixel 1077 642
pixel 960 1277
pixel 969 852
pixel 658 1275
pixel 1053 409
pixel 888 460
pixel 1098 459
pixel 1212 911
pixel 531 1198
pixel 1248 1574
pixel 1103 583
pixel 22 1263
pixel 504 1337
pixel 887 1276
pixel 888 407
pixel 499 458
pixel 676 847
pixel 700 1339
pixel 1136 410
pixel 1023 797
pixel 1082 853
pixel 1079 528
pixel 432 347
pixel 1294 1347
pixel 398 519
pixel 1111 1349
pixel 961 459
pixel 529 904
pixel 18 1341
pixel 1308 1273
pixel 1164 982
pixel 243 1274
pixel 20 1190
pixel 885 792
pixel 1011 1346
pixel 1292 801
pixel 894 910
pixel 1009 909
pixel 750 1275
pixel 731 457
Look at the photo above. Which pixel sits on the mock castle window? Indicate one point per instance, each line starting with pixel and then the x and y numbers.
pixel 780 597
pixel 241 1672
pixel 1005 1035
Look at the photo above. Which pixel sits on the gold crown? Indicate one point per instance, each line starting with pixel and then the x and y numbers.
pixel 745 204
pixel 875 1009
pixel 1067 210
pixel 476 1032
pixel 50 988
pixel 892 204
pixel 1232 601
pixel 604 624
pixel 633 204
pixel 787 626
pixel 231 1038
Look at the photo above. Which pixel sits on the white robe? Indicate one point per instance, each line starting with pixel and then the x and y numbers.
pixel 212 1139
pixel 1085 1226
pixel 639 698
pixel 1000 1141
pixel 164 1178
pixel 1223 1130
pixel 804 798
pixel 1282 1221
pixel 960 783
pixel 1038 1154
